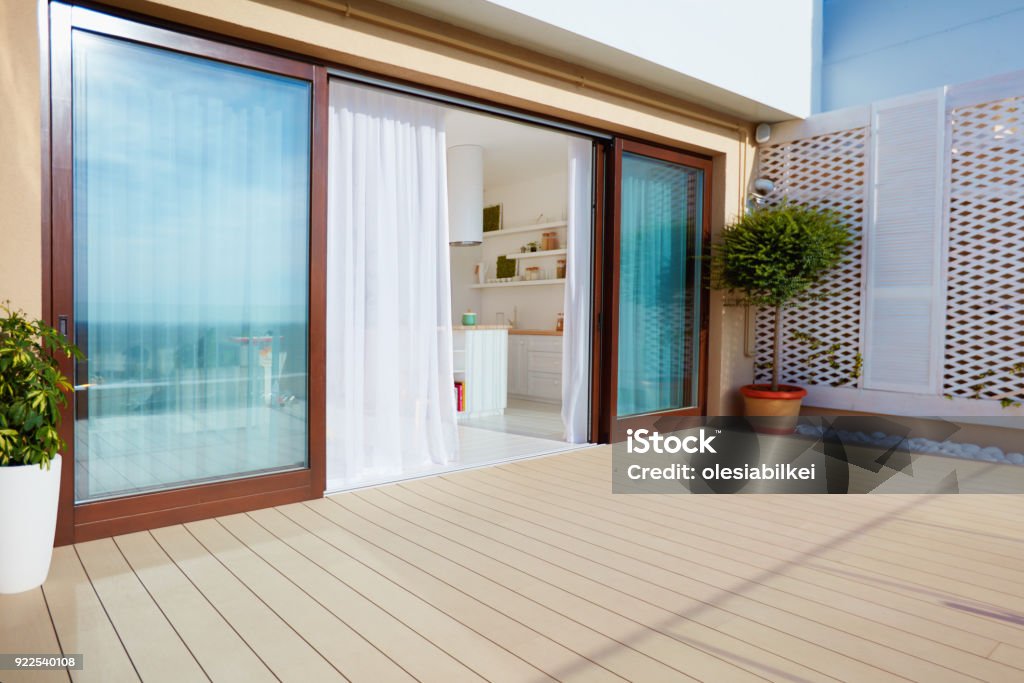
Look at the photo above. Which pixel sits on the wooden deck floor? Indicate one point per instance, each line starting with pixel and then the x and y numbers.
pixel 533 571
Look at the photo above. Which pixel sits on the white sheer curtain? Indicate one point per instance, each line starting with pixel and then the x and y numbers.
pixel 390 402
pixel 576 338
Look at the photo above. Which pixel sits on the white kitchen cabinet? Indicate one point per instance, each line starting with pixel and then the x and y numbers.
pixel 543 386
pixel 535 367
pixel 517 365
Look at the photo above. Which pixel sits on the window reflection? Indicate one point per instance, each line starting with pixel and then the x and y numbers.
pixel 659 285
pixel 191 200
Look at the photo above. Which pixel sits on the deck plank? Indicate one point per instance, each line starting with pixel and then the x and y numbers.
pixel 157 651
pixel 805 515
pixel 562 569
pixel 1012 655
pixel 733 540
pixel 665 538
pixel 756 518
pixel 286 654
pixel 222 653
pixel 547 654
pixel 82 624
pixel 340 645
pixel 706 582
pixel 671 591
pixel 522 579
pixel 25 628
pixel 484 656
pixel 584 639
pixel 533 570
pixel 417 657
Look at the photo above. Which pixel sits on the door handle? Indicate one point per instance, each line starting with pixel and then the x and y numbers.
pixel 62 325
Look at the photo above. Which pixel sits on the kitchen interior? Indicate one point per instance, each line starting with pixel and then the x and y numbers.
pixel 508 188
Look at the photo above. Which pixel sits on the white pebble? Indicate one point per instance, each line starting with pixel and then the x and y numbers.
pixel 923 445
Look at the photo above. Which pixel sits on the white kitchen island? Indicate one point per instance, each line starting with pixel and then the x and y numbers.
pixel 481 364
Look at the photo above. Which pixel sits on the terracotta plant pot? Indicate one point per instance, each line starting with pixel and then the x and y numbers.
pixel 772 412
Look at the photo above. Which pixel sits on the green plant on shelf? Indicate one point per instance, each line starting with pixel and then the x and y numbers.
pixel 492 218
pixel 506 267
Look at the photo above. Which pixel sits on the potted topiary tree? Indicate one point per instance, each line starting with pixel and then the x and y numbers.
pixel 773 256
pixel 32 391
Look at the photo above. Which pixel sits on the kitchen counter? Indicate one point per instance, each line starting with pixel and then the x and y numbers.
pixel 543 333
pixel 470 328
pixel 480 362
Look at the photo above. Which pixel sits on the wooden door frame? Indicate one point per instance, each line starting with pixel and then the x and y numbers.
pixel 598 345
pixel 607 424
pixel 94 520
pixel 148 510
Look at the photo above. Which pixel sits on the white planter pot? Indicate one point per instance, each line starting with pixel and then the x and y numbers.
pixel 28 510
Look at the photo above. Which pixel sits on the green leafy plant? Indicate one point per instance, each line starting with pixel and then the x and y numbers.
pixel 773 256
pixel 983 383
pixel 492 218
pixel 506 267
pixel 32 389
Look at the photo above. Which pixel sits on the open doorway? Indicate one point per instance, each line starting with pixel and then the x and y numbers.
pixel 459 271
pixel 516 338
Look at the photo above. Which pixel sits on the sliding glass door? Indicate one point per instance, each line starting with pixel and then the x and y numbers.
pixel 190 253
pixel 659 285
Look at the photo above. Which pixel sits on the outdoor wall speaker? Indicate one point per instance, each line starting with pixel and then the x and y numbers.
pixel 763 187
pixel 763 133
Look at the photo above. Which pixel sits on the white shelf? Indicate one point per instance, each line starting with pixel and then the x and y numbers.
pixel 520 283
pixel 537 254
pixel 525 228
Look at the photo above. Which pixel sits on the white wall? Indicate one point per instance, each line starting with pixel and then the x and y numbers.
pixel 522 204
pixel 463 260
pixel 876 49
pixel 765 51
pixel 537 198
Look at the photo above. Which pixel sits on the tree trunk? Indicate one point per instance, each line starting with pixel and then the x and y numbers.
pixel 777 349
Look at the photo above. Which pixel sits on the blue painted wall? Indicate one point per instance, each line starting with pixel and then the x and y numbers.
pixel 874 49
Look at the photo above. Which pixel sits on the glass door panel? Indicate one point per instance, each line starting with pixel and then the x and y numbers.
pixel 191 186
pixel 659 285
pixel 658 281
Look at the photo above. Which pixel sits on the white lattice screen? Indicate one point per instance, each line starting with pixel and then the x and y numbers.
pixel 980 215
pixel 828 171
pixel 985 297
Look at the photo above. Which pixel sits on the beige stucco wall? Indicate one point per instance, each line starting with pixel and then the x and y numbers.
pixel 414 49
pixel 20 172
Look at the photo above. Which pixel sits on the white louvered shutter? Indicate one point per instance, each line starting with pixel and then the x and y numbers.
pixel 904 299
